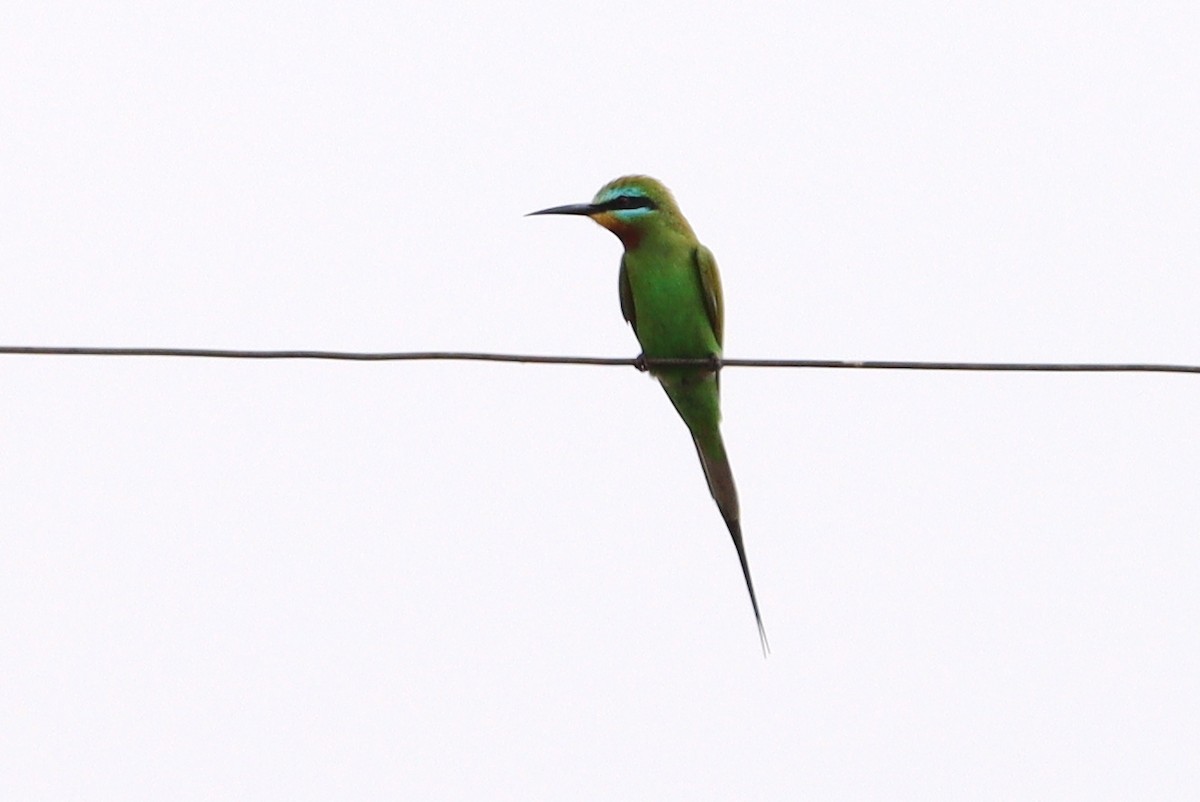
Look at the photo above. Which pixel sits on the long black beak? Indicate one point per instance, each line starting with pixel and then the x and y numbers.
pixel 585 209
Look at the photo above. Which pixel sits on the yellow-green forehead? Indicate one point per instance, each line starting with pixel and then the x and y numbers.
pixel 636 185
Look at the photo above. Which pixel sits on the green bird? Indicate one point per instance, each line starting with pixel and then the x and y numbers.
pixel 671 295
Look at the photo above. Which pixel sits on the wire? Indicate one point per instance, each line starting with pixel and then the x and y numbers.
pixel 641 364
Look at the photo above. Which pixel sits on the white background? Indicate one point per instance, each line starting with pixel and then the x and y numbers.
pixel 244 580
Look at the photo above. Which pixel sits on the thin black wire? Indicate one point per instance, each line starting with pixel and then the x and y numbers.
pixel 469 356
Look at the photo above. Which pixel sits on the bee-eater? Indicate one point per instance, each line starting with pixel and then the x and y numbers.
pixel 671 295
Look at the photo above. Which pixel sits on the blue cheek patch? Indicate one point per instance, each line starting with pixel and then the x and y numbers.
pixel 631 214
pixel 624 215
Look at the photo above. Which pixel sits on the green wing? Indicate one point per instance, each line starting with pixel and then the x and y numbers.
pixel 710 287
pixel 626 291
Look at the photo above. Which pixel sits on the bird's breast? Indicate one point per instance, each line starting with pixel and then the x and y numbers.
pixel 672 321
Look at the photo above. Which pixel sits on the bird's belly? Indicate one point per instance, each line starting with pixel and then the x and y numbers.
pixel 672 321
pixel 673 335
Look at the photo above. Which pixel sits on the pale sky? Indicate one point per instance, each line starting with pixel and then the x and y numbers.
pixel 448 581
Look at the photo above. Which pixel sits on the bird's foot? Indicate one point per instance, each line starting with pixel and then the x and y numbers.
pixel 715 362
pixel 640 362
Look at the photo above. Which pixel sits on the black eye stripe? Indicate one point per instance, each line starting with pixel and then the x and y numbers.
pixel 628 202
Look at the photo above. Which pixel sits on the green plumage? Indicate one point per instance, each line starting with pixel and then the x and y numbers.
pixel 670 294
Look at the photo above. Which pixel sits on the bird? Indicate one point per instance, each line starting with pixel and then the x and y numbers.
pixel 670 294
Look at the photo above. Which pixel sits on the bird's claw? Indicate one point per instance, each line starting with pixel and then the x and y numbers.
pixel 640 363
pixel 715 362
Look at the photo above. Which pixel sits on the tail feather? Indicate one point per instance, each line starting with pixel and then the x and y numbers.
pixel 696 400
pixel 724 492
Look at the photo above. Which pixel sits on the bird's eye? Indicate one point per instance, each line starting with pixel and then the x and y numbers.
pixel 630 202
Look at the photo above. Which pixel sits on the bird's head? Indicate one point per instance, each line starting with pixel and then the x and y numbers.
pixel 631 207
